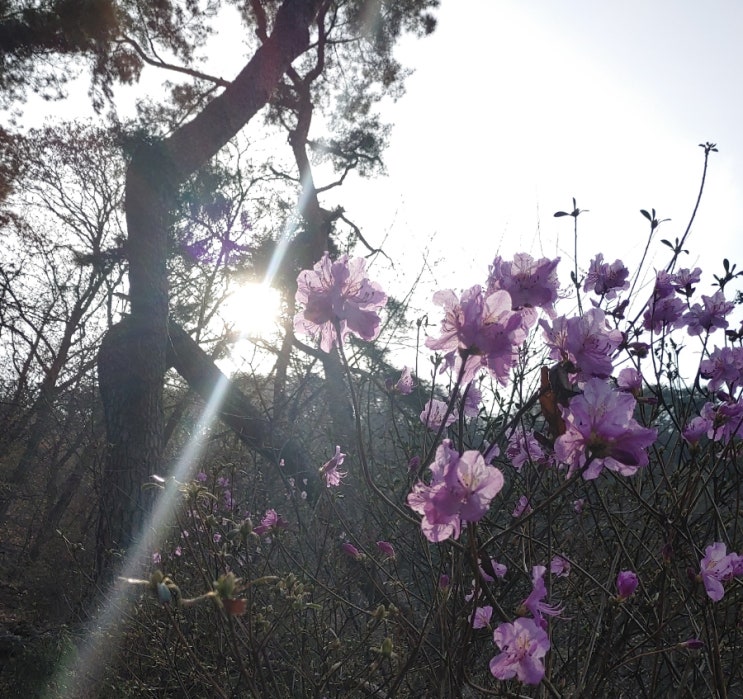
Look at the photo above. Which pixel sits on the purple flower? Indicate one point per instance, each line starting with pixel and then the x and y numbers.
pixel 522 506
pixel 524 448
pixel 227 499
pixel 433 414
pixel 663 313
pixel 630 381
pixel 578 505
pixel 604 279
pixel 472 400
pixel 498 569
pixel 461 489
pixel 156 558
pixel 330 471
pixel 351 551
pixel 694 431
pixel 724 367
pixel 481 617
pixel 586 341
pixel 405 384
pixel 693 644
pixel 710 316
pixel 338 294
pixel 534 604
pixel 491 451
pixel 560 567
pixel 626 584
pixel 715 568
pixel 600 427
pixel 386 548
pixel 531 283
pixel 201 477
pixel 725 420
pixel 482 331
pixel 523 644
pixel 271 521
pixel 684 280
pixel 443 581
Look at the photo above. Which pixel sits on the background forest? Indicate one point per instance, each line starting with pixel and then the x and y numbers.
pixel 178 522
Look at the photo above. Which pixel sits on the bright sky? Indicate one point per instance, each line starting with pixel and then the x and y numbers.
pixel 516 107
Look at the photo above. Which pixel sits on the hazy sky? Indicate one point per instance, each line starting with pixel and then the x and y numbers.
pixel 515 107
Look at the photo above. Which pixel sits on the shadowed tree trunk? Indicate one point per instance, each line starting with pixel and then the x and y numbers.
pixel 132 359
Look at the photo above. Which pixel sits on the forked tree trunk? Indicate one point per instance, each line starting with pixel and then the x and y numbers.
pixel 132 359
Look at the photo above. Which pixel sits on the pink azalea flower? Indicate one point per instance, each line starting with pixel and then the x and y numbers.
pixel 472 401
pixel 605 279
pixel 433 414
pixel 405 383
pixel 523 644
pixel 386 548
pixel 524 448
pixel 498 569
pixel 483 331
pixel 630 380
pixel 586 341
pixel 271 521
pixel 683 281
pixel 725 420
pixel 663 313
pixel 482 616
pixel 599 425
pixel 461 489
pixel 531 283
pixel 338 294
pixel 709 316
pixel 626 584
pixel 723 368
pixel 696 429
pixel 715 568
pixel 330 469
pixel 534 604
pixel 522 506
pixel 351 551
pixel 560 567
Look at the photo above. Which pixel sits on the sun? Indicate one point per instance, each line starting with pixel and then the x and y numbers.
pixel 253 309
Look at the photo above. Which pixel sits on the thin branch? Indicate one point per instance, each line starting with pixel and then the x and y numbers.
pixel 159 63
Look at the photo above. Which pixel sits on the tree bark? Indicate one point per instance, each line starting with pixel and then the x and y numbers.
pixel 236 410
pixel 132 359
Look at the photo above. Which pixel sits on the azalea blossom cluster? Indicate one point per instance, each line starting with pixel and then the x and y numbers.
pixel 524 643
pixel 338 299
pixel 718 567
pixel 461 489
pixel 484 328
pixel 601 432
pixel 668 307
pixel 595 423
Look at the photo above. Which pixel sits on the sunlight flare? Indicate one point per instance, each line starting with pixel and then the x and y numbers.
pixel 253 309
